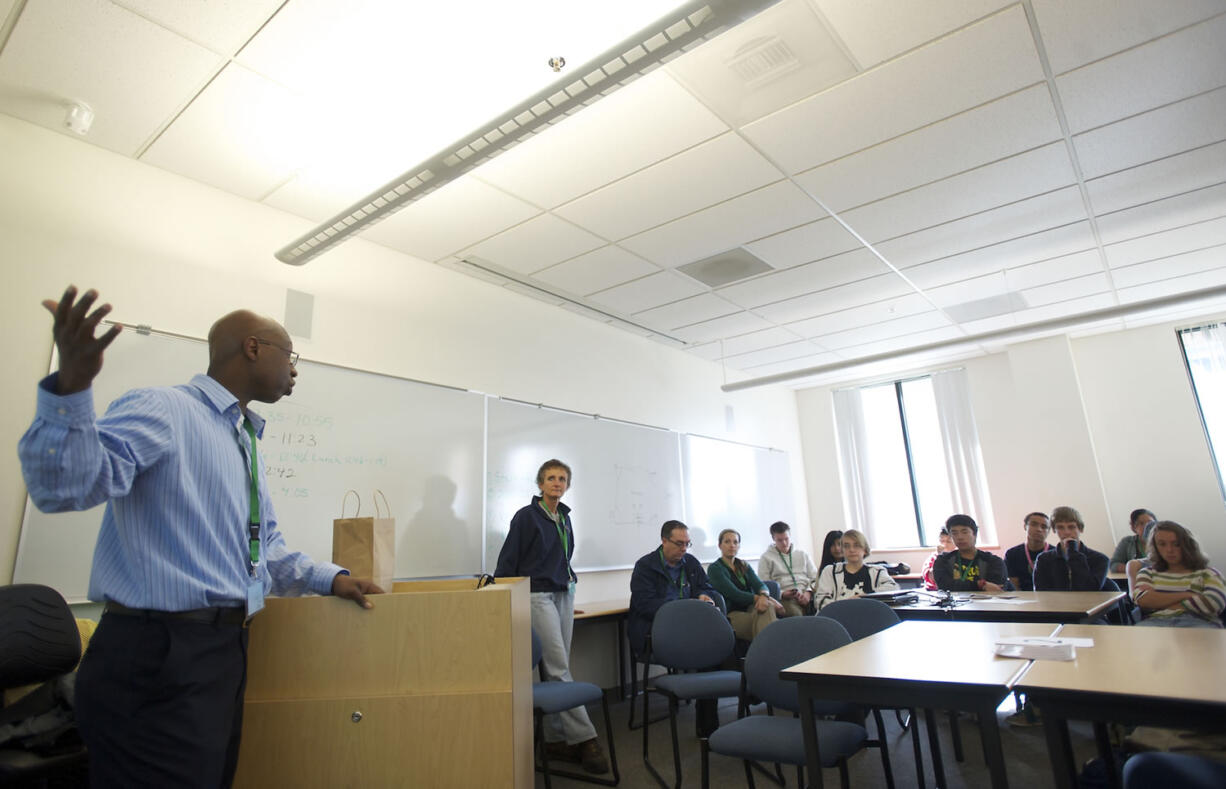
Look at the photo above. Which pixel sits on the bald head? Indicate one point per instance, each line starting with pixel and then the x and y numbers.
pixel 250 354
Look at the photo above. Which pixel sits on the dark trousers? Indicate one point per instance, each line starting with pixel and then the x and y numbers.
pixel 159 702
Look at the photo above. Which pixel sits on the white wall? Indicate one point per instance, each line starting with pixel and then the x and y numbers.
pixel 1105 423
pixel 175 254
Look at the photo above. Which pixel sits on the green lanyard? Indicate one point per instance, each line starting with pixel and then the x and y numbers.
pixel 253 519
pixel 559 523
pixel 682 581
pixel 787 562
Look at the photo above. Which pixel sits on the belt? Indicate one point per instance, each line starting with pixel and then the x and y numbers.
pixel 216 615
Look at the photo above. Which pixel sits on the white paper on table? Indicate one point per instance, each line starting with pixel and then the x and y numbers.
pixel 1030 648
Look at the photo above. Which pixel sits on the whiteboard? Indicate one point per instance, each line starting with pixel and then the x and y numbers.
pixel 734 486
pixel 341 429
pixel 627 480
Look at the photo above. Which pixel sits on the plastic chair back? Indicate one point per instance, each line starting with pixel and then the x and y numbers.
pixel 785 643
pixel 773 588
pixel 690 635
pixel 38 635
pixel 860 616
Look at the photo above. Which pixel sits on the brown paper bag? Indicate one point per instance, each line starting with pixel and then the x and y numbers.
pixel 366 547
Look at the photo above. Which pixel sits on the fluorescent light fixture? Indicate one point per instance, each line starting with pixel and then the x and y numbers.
pixel 679 31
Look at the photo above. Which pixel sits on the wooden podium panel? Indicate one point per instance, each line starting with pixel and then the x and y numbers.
pixel 440 673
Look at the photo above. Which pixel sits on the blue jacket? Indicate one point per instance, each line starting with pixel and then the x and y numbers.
pixel 532 549
pixel 650 588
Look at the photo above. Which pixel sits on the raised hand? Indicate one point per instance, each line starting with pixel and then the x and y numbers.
pixel 79 350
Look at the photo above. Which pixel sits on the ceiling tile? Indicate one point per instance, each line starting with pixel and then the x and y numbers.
pixel 791 365
pixel 754 341
pixel 1016 178
pixel 727 326
pixel 877 30
pixel 650 291
pixel 924 86
pixel 797 349
pixel 863 315
pixel 999 257
pixel 1183 209
pixel 1056 269
pixel 1084 31
pixel 730 73
pixel 1076 288
pixel 965 141
pixel 133 74
pixel 727 225
pixel 899 327
pixel 536 244
pixel 1170 242
pixel 1207 272
pixel 452 218
pixel 597 270
pixel 1160 72
pixel 700 177
pixel 974 289
pixel 1055 310
pixel 220 25
pixel 1025 217
pixel 892 344
pixel 1153 135
pixel 695 309
pixel 242 134
pixel 639 125
pixel 1153 272
pixel 777 286
pixel 842 297
pixel 804 244
pixel 1163 178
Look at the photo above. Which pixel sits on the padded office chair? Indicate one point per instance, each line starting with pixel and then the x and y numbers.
pixel 771 738
pixel 39 641
pixel 687 636
pixel 556 696
pixel 862 617
pixel 1122 613
pixel 773 588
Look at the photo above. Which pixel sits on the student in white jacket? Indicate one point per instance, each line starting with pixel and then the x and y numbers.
pixel 851 577
pixel 791 568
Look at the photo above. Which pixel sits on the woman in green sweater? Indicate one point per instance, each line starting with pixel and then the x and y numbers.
pixel 750 606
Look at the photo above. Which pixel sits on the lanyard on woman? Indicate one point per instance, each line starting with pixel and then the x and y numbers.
pixel 559 523
pixel 682 581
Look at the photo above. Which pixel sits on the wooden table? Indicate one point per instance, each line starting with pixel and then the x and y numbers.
pixel 604 611
pixel 1060 607
pixel 1156 675
pixel 927 665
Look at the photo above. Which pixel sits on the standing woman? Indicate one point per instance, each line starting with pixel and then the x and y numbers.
pixel 750 606
pixel 851 577
pixel 540 544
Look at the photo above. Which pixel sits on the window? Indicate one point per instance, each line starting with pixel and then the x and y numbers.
pixel 1204 352
pixel 909 458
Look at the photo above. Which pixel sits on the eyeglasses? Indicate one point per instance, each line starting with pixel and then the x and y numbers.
pixel 293 355
pixel 681 544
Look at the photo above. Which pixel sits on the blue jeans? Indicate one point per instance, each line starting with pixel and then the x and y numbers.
pixel 1181 620
pixel 553 619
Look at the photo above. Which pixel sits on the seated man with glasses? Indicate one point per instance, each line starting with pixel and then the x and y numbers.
pixel 667 573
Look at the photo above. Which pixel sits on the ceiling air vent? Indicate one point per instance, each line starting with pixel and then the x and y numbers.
pixel 762 59
pixel 986 308
pixel 731 266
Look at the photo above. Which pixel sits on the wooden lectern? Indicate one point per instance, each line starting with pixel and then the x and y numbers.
pixel 431 688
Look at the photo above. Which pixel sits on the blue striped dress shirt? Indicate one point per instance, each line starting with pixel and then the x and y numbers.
pixel 172 465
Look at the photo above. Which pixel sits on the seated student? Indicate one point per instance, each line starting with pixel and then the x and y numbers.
pixel 1179 588
pixel 791 568
pixel 968 569
pixel 1133 546
pixel 945 544
pixel 667 573
pixel 750 606
pixel 1072 566
pixel 851 577
pixel 1019 560
pixel 832 549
